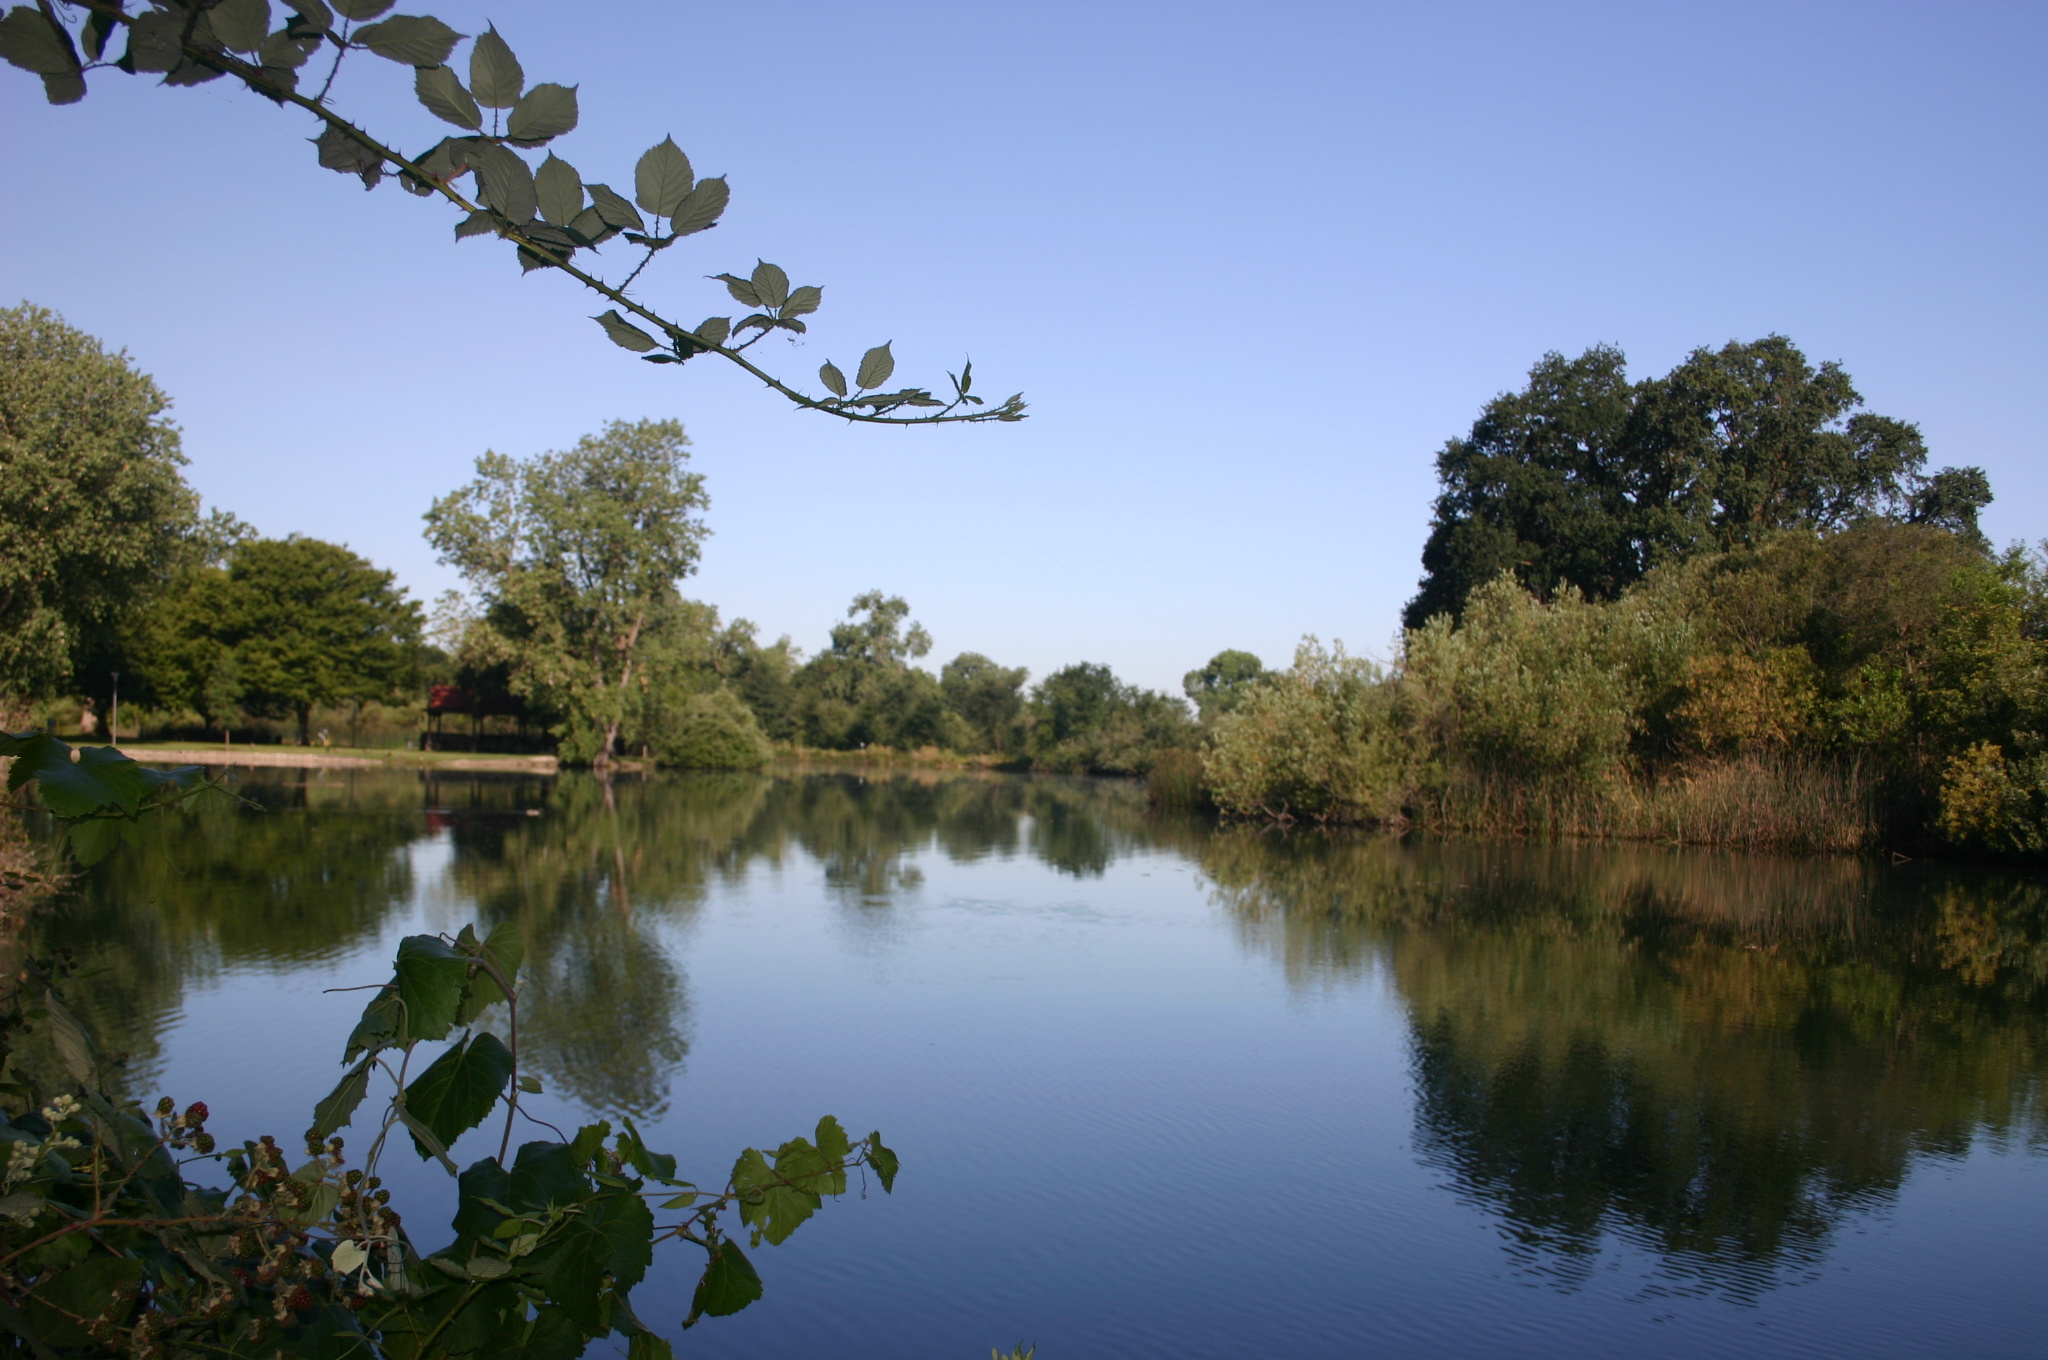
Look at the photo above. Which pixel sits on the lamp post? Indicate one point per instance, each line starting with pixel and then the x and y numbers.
pixel 114 727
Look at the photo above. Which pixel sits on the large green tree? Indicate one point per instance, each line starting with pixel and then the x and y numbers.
pixel 863 689
pixel 286 625
pixel 1587 479
pixel 94 510
pixel 574 555
pixel 988 697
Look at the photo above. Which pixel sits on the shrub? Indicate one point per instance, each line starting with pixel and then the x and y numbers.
pixel 1994 804
pixel 713 731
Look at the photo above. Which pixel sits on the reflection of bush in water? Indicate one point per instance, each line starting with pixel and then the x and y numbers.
pixel 1717 1057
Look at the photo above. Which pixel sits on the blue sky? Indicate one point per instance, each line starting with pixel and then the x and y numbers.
pixel 1252 265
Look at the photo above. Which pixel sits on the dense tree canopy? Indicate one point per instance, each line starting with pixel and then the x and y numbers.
pixel 1587 479
pixel 94 511
pixel 1218 687
pixel 574 556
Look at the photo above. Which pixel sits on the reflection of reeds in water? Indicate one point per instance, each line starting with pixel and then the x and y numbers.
pixel 1717 1057
pixel 1746 802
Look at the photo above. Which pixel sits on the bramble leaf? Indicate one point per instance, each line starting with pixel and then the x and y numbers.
pixel 543 112
pixel 559 189
pixel 833 378
pixel 503 949
pixel 701 207
pixel 714 330
pixel 155 42
pixel 430 978
pixel 613 1235
pixel 35 43
pixel 614 208
pixel 478 223
pixel 360 10
pixel 442 93
pixel 771 285
pixel 728 1284
pixel 241 25
pixel 315 14
pixel 339 1105
pixel 876 366
pixel 505 182
pixel 410 39
pixel 495 77
pixel 742 290
pixel 662 179
pixel 99 782
pixel 624 333
pixel 803 301
pixel 883 1161
pixel 286 51
pixel 340 150
pixel 458 1090
pixel 648 1346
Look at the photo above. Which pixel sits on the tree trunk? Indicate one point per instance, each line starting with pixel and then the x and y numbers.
pixel 305 720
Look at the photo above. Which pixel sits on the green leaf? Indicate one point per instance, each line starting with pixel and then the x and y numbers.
pixel 100 780
pixel 504 949
pixel 544 1175
pixel 701 207
pixel 53 1311
pixel 92 841
pixel 340 150
pixel 614 208
pixel 648 1346
pixel 660 1166
pixel 241 25
pixel 430 979
pixel 35 43
pixel 286 51
pixel 505 182
pixel 802 301
pixel 339 1106
pixel 424 1138
pixel 771 285
pixel 624 333
pixel 614 1235
pixel 73 1043
pixel 360 10
pixel 727 1285
pixel 714 330
pixel 768 1205
pixel 830 375
pixel 155 41
pixel 379 1026
pixel 495 77
pixel 412 39
pixel 662 179
pixel 883 1161
pixel 316 15
pixel 591 227
pixel 457 1091
pixel 742 290
pixel 559 189
pixel 833 1143
pixel 478 223
pixel 445 98
pixel 543 112
pixel 529 1084
pixel 875 367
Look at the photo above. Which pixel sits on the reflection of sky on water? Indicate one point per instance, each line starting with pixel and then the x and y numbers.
pixel 1164 1092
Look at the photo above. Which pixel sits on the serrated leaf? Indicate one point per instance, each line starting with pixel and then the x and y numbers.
pixel 803 301
pixel 530 1084
pixel 591 227
pixel 769 1205
pixel 65 87
pixel 412 39
pixel 701 207
pixel 662 179
pixel 614 1235
pixel 505 182
pixel 646 1345
pixel 614 208
pixel 73 1043
pixel 316 15
pixel 379 1026
pixel 543 112
pixel 425 1139
pixel 883 1161
pixel 92 841
pixel 714 330
pixel 833 378
pixel 442 93
pixel 35 43
pixel 286 52
pixel 742 290
pixel 495 77
pixel 478 223
pixel 339 1105
pixel 100 780
pixel 241 25
pixel 875 366
pixel 504 950
pixel 457 1091
pixel 360 10
pixel 341 151
pixel 728 1284
pixel 624 333
pixel 771 285
pixel 430 978
pixel 155 42
pixel 559 189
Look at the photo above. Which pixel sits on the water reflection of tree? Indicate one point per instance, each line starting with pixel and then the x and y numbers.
pixel 1715 1057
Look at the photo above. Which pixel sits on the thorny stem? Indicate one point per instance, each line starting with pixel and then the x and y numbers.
pixel 685 342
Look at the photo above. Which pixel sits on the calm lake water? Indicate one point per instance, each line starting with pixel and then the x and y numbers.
pixel 1163 1090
